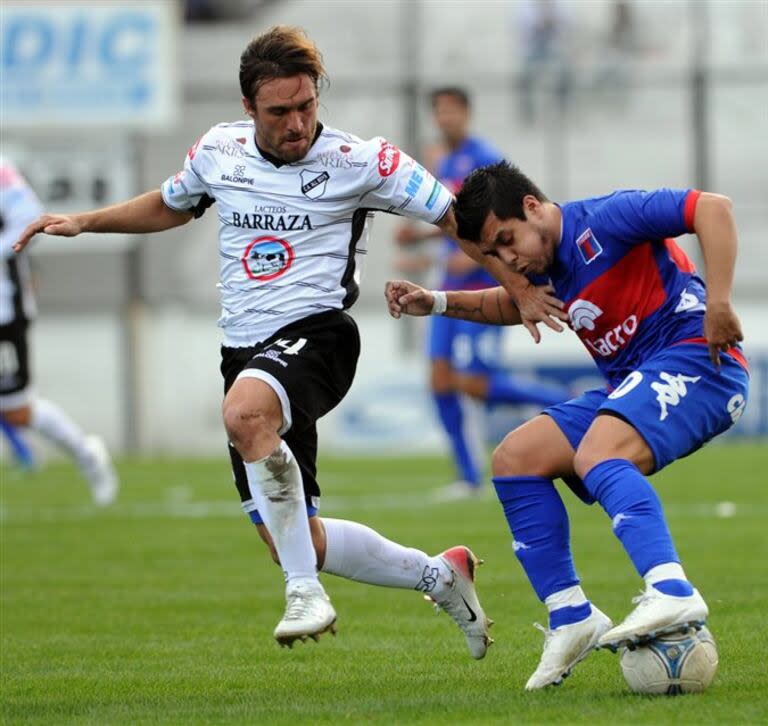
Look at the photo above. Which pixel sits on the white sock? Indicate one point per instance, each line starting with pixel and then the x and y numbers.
pixel 667 571
pixel 357 552
pixel 275 484
pixel 569 597
pixel 55 425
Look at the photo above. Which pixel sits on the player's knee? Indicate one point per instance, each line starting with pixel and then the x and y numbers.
pixel 18 416
pixel 585 459
pixel 245 424
pixel 442 379
pixel 473 386
pixel 508 459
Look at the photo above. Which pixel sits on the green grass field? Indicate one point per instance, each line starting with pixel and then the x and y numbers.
pixel 160 610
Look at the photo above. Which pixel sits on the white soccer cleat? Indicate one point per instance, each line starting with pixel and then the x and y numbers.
pixel 565 647
pixel 460 600
pixel 96 465
pixel 308 614
pixel 656 614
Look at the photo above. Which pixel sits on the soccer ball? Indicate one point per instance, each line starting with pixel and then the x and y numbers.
pixel 672 664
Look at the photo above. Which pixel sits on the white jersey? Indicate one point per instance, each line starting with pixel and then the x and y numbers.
pixel 19 206
pixel 291 236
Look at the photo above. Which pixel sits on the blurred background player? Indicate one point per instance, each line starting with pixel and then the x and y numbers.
pixel 19 408
pixel 465 369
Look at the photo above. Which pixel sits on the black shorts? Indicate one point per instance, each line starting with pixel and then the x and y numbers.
pixel 310 364
pixel 14 365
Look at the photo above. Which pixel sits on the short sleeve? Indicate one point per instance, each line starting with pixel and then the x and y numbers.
pixel 19 206
pixel 637 216
pixel 186 191
pixel 398 183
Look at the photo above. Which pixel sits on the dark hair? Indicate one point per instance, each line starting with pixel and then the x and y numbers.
pixel 498 188
pixel 283 51
pixel 460 94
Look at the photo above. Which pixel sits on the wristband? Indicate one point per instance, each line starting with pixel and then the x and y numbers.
pixel 439 302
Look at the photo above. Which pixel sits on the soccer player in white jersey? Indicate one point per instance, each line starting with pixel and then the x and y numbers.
pixel 19 406
pixel 293 198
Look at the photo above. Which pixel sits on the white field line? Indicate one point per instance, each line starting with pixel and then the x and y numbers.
pixel 331 506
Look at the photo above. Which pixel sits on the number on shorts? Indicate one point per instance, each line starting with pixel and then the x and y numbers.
pixel 291 347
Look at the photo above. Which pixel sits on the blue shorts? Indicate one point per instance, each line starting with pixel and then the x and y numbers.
pixel 469 347
pixel 677 401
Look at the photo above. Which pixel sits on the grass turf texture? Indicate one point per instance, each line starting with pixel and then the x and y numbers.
pixel 161 609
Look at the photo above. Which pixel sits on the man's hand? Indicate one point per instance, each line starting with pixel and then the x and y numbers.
pixel 405 298
pixel 61 225
pixel 539 305
pixel 722 329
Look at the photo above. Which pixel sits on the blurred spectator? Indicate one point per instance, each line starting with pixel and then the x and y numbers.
pixel 612 74
pixel 207 11
pixel 544 39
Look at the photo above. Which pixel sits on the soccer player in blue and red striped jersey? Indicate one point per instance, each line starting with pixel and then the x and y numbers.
pixel 668 347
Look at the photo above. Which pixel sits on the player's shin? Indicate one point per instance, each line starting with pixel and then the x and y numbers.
pixel 539 524
pixel 638 521
pixel 275 483
pixel 466 446
pixel 357 552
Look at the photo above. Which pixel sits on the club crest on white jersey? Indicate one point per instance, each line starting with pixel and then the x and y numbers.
pixel 292 237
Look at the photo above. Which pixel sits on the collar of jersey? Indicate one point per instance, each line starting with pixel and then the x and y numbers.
pixel 272 159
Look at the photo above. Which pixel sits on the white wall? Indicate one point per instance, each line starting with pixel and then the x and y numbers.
pixel 79 362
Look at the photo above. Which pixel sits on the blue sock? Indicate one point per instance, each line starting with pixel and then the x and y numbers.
pixel 638 518
pixel 452 417
pixel 21 451
pixel 539 523
pixel 569 615
pixel 678 588
pixel 506 388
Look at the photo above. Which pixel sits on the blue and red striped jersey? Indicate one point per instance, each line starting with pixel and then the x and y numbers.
pixel 629 289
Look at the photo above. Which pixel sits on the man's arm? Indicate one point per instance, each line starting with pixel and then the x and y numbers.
pixel 140 215
pixel 715 227
pixel 535 304
pixel 493 306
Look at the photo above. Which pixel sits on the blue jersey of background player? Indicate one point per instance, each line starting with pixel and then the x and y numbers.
pixel 465 356
pixel 668 348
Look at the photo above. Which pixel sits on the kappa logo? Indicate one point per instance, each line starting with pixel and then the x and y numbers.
pixel 619 518
pixel 583 314
pixel 671 391
pixel 736 406
pixel 689 303
pixel 314 183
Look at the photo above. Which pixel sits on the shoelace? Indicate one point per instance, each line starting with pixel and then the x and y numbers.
pixel 298 602
pixel 547 634
pixel 642 600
